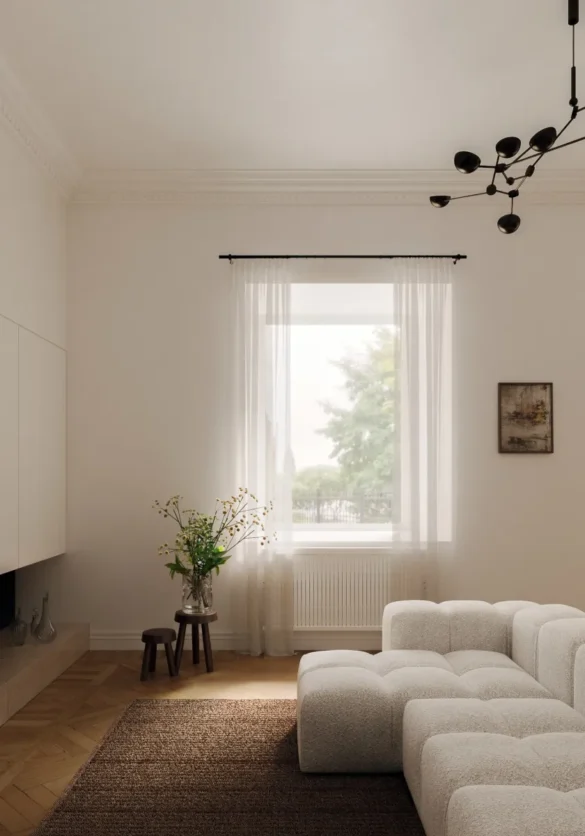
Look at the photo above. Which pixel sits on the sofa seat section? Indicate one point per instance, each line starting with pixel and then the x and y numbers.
pixel 515 811
pixel 350 704
pixel 452 761
pixel 519 718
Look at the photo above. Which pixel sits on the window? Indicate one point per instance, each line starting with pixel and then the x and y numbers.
pixel 344 399
pixel 343 349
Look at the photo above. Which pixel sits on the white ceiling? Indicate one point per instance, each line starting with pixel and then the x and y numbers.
pixel 292 84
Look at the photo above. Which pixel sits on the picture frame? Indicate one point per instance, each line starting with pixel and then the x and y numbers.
pixel 525 418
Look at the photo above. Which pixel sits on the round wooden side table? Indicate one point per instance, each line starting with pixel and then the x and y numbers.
pixel 195 619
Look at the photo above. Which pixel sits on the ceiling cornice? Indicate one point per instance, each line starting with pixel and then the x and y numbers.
pixel 25 120
pixel 307 188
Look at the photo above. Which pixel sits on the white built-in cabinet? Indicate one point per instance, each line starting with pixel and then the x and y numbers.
pixel 41 448
pixel 8 445
pixel 32 447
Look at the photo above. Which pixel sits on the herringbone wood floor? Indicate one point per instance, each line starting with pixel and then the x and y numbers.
pixel 43 746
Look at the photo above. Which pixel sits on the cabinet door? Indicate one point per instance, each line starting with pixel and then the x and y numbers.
pixel 42 450
pixel 8 445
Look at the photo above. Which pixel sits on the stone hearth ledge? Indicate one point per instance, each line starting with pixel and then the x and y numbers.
pixel 26 670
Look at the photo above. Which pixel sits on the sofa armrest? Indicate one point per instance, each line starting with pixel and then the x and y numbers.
pixel 527 628
pixel 558 644
pixel 579 684
pixel 508 609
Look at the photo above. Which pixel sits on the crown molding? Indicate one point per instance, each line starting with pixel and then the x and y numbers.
pixel 311 188
pixel 26 122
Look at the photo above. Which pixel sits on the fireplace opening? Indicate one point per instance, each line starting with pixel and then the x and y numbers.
pixel 7 598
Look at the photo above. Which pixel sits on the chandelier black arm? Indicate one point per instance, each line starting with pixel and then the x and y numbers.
pixel 463 196
pixel 495 170
pixel 563 129
pixel 520 182
pixel 565 144
pixel 534 164
pixel 550 150
pixel 518 158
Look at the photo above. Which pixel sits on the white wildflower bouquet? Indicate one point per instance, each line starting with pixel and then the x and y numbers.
pixel 205 541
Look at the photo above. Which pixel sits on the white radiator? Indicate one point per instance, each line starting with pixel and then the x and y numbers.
pixel 337 591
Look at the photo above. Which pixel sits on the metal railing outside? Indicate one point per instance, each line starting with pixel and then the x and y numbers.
pixel 367 508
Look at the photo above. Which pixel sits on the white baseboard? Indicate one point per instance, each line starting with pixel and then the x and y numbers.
pixel 338 639
pixel 131 640
pixel 304 640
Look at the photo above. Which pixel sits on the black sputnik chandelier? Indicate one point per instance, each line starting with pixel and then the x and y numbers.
pixel 542 143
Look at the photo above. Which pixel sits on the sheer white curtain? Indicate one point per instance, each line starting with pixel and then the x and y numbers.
pixel 423 474
pixel 416 302
pixel 261 579
pixel 414 297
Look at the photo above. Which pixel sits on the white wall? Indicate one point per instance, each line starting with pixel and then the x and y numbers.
pixel 148 374
pixel 32 358
pixel 32 255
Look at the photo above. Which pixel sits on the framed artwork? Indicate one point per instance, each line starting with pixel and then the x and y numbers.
pixel 525 423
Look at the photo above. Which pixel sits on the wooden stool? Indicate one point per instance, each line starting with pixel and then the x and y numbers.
pixel 152 638
pixel 194 619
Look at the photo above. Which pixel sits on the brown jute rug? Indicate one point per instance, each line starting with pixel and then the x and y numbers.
pixel 219 767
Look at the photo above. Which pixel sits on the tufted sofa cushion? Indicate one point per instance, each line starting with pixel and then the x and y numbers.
pixel 450 626
pixel 515 811
pixel 350 704
pixel 451 761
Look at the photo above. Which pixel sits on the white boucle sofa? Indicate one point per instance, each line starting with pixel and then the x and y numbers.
pixel 477 701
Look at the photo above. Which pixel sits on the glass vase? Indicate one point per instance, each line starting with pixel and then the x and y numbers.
pixel 18 629
pixel 206 593
pixel 197 594
pixel 45 632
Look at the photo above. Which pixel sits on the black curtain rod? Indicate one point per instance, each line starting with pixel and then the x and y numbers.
pixel 455 258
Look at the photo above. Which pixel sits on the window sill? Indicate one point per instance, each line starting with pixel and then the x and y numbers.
pixel 333 537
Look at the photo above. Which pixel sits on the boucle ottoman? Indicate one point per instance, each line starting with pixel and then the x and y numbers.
pixel 519 718
pixel 452 761
pixel 515 811
pixel 350 704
